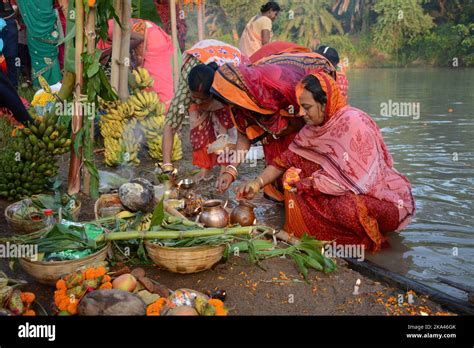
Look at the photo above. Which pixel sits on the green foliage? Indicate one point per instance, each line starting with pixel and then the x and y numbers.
pixel 398 22
pixel 306 22
pixel 444 46
pixel 343 45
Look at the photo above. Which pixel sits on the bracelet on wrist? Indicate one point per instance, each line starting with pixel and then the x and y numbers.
pixel 234 177
pixel 230 166
pixel 262 183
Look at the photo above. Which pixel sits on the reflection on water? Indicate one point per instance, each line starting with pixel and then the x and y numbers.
pixel 436 153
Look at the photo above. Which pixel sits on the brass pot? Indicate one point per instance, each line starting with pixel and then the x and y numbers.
pixel 243 214
pixel 213 214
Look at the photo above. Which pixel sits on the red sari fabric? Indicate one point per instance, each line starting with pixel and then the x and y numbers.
pixel 340 183
pixel 203 134
pixel 346 219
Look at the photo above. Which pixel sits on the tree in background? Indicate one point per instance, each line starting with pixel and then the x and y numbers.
pixel 399 22
pixel 306 22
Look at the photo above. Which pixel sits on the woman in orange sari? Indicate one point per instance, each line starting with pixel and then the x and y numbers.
pixel 207 121
pixel 263 105
pixel 338 174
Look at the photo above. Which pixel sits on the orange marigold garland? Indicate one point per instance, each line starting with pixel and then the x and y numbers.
pixel 71 288
pixel 154 309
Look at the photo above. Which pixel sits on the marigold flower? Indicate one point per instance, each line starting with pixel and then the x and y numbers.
pixel 99 272
pixel 216 302
pixel 107 285
pixel 72 307
pixel 61 284
pixel 221 311
pixel 29 313
pixel 27 297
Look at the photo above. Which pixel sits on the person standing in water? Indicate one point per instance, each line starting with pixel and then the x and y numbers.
pixel 258 30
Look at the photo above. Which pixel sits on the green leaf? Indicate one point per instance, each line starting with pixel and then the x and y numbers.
pixel 158 214
pixel 301 264
pixel 78 141
pixel 93 68
pixel 72 34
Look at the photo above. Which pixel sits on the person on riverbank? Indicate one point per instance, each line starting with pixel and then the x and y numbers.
pixel 151 49
pixel 264 107
pixel 43 35
pixel 338 175
pixel 333 56
pixel 209 119
pixel 258 31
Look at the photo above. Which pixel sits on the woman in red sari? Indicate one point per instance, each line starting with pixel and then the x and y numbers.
pixel 263 105
pixel 338 175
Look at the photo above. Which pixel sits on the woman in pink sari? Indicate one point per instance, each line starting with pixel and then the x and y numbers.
pixel 153 51
pixel 338 175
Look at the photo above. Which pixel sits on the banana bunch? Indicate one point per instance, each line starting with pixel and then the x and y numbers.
pixel 111 129
pixel 153 126
pixel 113 151
pixel 145 222
pixel 144 103
pixel 108 105
pixel 142 78
pixel 29 160
pixel 155 148
pixel 132 137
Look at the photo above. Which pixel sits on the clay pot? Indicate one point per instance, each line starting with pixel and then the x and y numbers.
pixel 213 214
pixel 243 214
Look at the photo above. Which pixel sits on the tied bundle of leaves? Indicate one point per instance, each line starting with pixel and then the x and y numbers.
pixel 306 254
pixel 59 238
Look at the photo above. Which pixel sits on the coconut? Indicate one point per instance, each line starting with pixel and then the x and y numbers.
pixel 111 302
pixel 137 195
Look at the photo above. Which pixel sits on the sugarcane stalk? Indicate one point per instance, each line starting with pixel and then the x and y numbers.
pixel 171 234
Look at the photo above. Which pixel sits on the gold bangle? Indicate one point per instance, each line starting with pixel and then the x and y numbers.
pixel 234 177
pixel 261 180
pixel 233 168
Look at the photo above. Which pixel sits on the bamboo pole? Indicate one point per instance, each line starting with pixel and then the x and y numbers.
pixel 74 177
pixel 174 36
pixel 200 24
pixel 125 49
pixel 90 35
pixel 170 234
pixel 116 42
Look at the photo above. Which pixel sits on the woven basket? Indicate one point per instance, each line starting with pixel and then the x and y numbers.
pixel 185 260
pixel 106 200
pixel 49 272
pixel 29 226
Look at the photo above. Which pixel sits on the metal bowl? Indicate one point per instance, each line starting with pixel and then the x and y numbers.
pixel 186 183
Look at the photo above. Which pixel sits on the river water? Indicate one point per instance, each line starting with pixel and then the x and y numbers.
pixel 435 150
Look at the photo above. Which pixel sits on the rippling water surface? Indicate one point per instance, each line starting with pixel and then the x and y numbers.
pixel 436 152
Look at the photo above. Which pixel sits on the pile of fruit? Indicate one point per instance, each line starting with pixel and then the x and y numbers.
pixel 29 160
pixel 125 125
pixel 14 301
pixel 187 302
pixel 71 289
